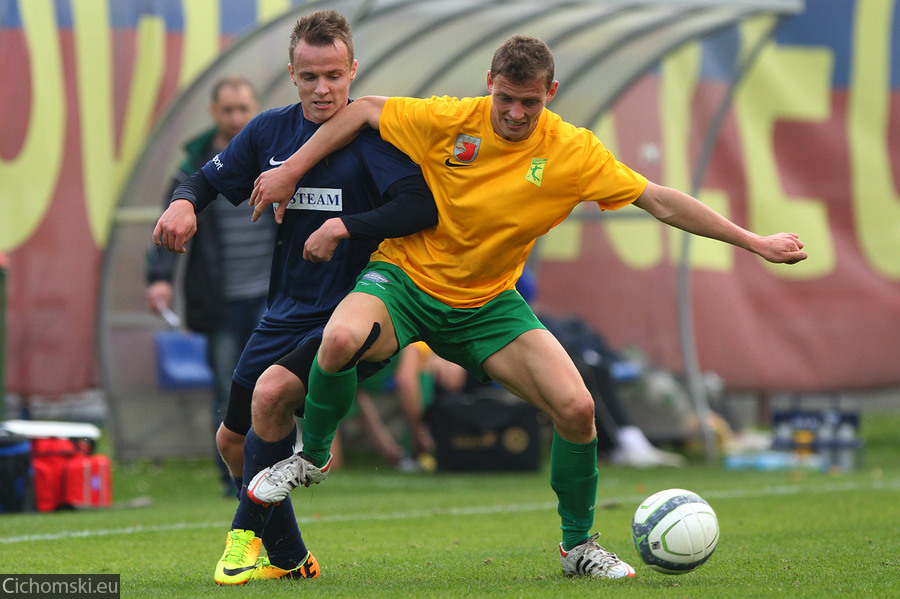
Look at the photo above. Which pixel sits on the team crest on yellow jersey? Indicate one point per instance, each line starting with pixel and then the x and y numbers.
pixel 535 172
pixel 466 148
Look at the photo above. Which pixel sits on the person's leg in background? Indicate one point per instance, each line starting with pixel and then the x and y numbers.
pixel 620 441
pixel 225 345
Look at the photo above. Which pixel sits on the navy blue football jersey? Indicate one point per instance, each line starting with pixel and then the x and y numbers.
pixel 349 181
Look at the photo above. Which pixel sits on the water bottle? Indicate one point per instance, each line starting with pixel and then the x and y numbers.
pixel 825 441
pixel 784 436
pixel 845 446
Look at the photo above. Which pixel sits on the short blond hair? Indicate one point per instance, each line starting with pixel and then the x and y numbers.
pixel 322 28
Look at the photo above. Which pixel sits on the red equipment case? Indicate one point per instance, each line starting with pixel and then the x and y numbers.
pixel 66 474
pixel 86 481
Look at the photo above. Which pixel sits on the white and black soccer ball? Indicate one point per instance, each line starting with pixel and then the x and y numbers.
pixel 675 531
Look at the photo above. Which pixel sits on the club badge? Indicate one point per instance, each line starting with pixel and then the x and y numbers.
pixel 466 148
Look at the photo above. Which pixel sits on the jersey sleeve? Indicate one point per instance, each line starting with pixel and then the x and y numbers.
pixel 407 124
pixel 605 180
pixel 410 208
pixel 233 170
pixel 384 161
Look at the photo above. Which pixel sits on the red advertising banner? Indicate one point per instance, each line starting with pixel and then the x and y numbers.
pixel 810 143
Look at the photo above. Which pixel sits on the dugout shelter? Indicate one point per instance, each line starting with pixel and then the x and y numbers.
pixel 404 47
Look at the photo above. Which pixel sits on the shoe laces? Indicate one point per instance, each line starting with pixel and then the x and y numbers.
pixel 594 551
pixel 238 547
pixel 294 470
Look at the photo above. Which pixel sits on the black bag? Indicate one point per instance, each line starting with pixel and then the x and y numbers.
pixel 488 429
pixel 15 473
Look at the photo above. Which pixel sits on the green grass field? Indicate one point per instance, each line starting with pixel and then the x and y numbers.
pixel 377 533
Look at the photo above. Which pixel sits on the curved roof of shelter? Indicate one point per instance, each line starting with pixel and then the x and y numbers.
pixel 444 47
pixel 413 48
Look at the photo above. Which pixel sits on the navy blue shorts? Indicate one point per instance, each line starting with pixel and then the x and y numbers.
pixel 267 345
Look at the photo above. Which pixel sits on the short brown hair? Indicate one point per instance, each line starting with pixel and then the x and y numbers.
pixel 231 81
pixel 322 28
pixel 522 59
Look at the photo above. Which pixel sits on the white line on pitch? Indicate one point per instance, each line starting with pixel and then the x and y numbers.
pixel 462 511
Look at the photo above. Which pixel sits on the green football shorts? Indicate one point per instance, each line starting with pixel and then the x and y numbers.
pixel 466 336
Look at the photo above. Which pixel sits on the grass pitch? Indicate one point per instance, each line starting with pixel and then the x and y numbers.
pixel 378 533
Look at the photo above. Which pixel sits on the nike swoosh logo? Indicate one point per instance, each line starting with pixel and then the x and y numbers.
pixel 233 571
pixel 274 162
pixel 448 163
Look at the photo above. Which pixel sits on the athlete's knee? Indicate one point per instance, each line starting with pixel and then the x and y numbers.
pixel 277 390
pixel 231 447
pixel 575 415
pixel 344 345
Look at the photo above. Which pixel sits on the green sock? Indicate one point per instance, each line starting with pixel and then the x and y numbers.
pixel 574 476
pixel 328 400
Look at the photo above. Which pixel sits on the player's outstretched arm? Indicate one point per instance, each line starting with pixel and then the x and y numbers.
pixel 276 186
pixel 176 226
pixel 687 213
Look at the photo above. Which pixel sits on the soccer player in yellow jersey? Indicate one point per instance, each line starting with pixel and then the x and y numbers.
pixel 504 170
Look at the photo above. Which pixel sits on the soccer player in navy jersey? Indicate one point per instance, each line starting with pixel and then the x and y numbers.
pixel 335 219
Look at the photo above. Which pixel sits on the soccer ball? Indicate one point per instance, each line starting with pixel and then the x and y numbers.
pixel 675 531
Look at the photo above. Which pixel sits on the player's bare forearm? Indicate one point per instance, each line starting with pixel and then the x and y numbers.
pixel 687 213
pixel 276 186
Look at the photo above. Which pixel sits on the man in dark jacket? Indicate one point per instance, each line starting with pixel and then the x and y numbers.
pixel 226 278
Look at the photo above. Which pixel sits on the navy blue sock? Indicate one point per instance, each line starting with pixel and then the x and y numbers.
pixel 275 525
pixel 258 454
pixel 282 539
pixel 238 483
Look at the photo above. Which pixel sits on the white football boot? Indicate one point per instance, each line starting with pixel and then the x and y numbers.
pixel 273 484
pixel 590 559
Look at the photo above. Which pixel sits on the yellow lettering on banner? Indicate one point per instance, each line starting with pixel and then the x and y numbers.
pixel 104 170
pixel 680 73
pixel 30 179
pixel 201 41
pixel 563 242
pixel 784 83
pixel 266 10
pixel 640 241
pixel 93 66
pixel 146 82
pixel 875 199
pixel 636 241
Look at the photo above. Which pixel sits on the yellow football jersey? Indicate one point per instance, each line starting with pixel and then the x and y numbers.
pixel 494 197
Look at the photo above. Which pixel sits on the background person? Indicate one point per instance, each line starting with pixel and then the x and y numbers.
pixel 226 277
pixel 406 380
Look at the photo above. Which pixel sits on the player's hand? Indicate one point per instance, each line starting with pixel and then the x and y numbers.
pixel 320 246
pixel 176 226
pixel 274 186
pixel 782 248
